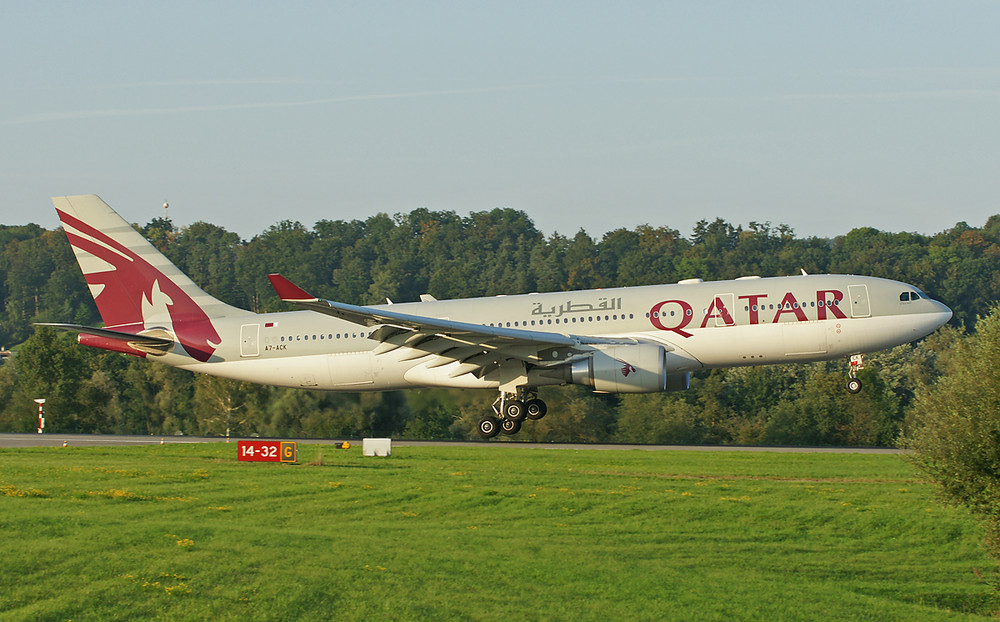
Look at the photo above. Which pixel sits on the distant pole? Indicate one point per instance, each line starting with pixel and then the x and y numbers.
pixel 41 415
pixel 165 207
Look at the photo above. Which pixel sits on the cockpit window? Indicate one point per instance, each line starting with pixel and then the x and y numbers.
pixel 908 296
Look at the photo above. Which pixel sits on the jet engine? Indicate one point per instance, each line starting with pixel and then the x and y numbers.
pixel 641 368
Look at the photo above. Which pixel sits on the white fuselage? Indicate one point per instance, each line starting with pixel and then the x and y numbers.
pixel 750 321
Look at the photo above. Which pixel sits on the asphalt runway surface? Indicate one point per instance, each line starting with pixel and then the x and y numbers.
pixel 11 441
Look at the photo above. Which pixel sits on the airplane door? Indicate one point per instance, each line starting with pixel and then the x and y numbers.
pixel 249 339
pixel 859 301
pixel 725 301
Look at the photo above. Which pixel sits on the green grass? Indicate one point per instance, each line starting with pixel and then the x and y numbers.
pixel 483 533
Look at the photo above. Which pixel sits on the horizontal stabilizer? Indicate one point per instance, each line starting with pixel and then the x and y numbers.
pixel 149 344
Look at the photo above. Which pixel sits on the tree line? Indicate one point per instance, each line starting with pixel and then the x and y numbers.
pixel 485 253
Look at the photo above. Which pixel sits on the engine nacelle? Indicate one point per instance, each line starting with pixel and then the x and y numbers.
pixel 641 368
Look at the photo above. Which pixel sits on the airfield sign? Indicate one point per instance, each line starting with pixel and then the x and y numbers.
pixel 267 451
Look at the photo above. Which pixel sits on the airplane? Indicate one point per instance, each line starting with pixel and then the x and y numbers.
pixel 620 340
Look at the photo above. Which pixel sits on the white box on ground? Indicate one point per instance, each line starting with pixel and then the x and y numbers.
pixel 376 446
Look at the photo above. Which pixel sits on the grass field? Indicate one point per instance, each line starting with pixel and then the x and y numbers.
pixel 484 533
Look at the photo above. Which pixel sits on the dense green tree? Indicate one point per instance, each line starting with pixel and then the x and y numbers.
pixel 225 407
pixel 582 263
pixel 41 284
pixel 51 366
pixel 160 232
pixel 434 413
pixel 665 418
pixel 579 416
pixel 955 428
pixel 207 254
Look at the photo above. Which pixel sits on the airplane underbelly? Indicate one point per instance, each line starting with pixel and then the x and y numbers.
pixel 803 340
pixel 761 344
pixel 423 376
pixel 355 370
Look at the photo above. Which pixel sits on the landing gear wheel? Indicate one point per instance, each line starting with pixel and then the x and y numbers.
pixel 536 409
pixel 515 411
pixel 510 426
pixel 854 385
pixel 489 426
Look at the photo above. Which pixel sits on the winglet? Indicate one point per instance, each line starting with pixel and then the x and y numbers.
pixel 289 291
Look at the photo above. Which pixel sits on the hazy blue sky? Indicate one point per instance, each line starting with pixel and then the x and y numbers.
pixel 822 115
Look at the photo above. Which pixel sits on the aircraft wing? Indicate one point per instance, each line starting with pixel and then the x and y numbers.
pixel 477 346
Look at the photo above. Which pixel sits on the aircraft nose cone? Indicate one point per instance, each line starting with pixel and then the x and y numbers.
pixel 943 313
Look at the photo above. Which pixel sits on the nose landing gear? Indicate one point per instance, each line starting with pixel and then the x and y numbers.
pixel 857 363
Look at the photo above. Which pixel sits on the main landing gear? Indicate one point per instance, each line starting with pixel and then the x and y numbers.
pixel 510 411
pixel 857 363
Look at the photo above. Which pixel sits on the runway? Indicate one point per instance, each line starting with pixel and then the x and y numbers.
pixel 12 441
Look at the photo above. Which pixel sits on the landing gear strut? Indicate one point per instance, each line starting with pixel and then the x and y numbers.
pixel 510 410
pixel 857 363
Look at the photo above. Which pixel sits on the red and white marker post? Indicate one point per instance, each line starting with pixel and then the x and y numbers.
pixel 41 415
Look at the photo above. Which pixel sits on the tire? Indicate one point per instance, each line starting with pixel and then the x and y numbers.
pixel 853 385
pixel 510 426
pixel 536 409
pixel 489 426
pixel 515 411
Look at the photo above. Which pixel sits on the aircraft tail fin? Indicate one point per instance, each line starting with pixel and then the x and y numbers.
pixel 135 286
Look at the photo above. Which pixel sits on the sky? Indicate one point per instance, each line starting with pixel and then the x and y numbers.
pixel 824 116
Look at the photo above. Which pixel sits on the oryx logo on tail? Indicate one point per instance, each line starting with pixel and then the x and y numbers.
pixel 133 295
